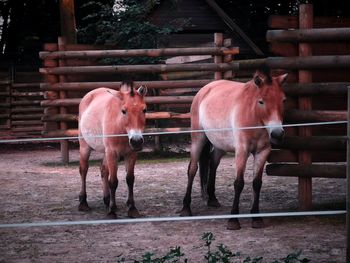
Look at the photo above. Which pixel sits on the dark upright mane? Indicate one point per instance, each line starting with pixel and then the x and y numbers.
pixel 130 84
pixel 265 71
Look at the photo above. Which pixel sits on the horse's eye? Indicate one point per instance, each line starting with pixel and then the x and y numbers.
pixel 144 110
pixel 261 102
pixel 284 100
pixel 124 111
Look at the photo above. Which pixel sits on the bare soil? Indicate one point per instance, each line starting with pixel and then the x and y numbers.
pixel 35 187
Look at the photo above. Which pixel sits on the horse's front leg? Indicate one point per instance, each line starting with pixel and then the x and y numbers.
pixel 111 159
pixel 259 162
pixel 130 179
pixel 84 152
pixel 241 162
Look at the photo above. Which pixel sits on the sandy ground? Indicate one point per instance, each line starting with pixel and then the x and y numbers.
pixel 34 187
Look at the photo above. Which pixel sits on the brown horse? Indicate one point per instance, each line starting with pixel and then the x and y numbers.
pixel 103 113
pixel 227 104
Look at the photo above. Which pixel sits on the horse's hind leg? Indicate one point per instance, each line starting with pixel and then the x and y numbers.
pixel 84 152
pixel 105 186
pixel 241 161
pixel 215 158
pixel 259 162
pixel 198 142
pixel 130 179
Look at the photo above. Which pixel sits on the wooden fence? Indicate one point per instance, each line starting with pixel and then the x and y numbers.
pixel 67 69
pixel 317 90
pixel 20 110
pixel 319 69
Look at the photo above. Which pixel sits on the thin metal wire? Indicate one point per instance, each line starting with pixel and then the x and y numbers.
pixel 170 219
pixel 173 132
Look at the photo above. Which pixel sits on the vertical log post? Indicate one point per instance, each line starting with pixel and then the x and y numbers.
pixel 50 95
pixel 63 110
pixel 67 19
pixel 228 58
pixel 305 103
pixel 348 184
pixel 218 42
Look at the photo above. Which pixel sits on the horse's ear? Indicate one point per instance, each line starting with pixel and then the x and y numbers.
pixel 282 78
pixel 258 81
pixel 126 87
pixel 142 90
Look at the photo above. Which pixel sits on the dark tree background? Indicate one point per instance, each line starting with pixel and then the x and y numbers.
pixel 26 24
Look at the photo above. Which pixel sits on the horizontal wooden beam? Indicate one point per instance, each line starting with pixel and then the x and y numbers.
pixel 309 35
pixel 162 52
pixel 285 49
pixel 158 68
pixel 309 171
pixel 149 100
pixel 75 132
pixel 172 84
pixel 313 143
pixel 300 116
pixel 316 89
pixel 311 62
pixel 149 115
pixel 288 22
pixel 290 156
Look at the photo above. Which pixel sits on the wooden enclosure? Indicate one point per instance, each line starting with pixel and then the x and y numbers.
pixel 316 51
pixel 317 89
pixel 72 70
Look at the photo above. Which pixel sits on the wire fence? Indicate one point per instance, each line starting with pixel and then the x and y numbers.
pixel 170 219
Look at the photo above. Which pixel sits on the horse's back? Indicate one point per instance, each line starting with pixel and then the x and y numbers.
pixel 217 99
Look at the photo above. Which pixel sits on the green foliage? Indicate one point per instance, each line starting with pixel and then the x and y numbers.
pixel 221 254
pixel 123 23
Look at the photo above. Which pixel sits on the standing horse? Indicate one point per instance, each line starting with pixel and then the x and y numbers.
pixel 227 104
pixel 103 113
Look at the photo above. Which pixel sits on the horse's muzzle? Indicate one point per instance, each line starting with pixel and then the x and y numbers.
pixel 136 142
pixel 277 135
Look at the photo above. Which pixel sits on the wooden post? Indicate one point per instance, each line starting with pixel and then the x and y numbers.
pixel 218 42
pixel 348 184
pixel 50 80
pixel 63 110
pixel 67 19
pixel 228 58
pixel 305 103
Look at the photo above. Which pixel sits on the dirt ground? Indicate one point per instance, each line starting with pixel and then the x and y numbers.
pixel 35 187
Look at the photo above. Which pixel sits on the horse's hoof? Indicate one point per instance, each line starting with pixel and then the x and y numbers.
pixel 84 207
pixel 214 203
pixel 258 222
pixel 233 224
pixel 133 213
pixel 111 215
pixel 186 212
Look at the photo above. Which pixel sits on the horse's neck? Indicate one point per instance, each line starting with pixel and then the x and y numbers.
pixel 246 108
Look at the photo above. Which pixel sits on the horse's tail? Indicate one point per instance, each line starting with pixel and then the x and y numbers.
pixel 204 163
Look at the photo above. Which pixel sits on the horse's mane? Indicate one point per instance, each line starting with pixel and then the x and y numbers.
pixel 130 84
pixel 265 71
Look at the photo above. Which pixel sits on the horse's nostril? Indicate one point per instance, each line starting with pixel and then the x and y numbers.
pixel 136 141
pixel 277 134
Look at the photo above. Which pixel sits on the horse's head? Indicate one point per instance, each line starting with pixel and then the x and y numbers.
pixel 133 113
pixel 270 101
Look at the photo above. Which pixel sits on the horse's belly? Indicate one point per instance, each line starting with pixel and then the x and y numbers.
pixel 92 133
pixel 223 140
pixel 222 134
